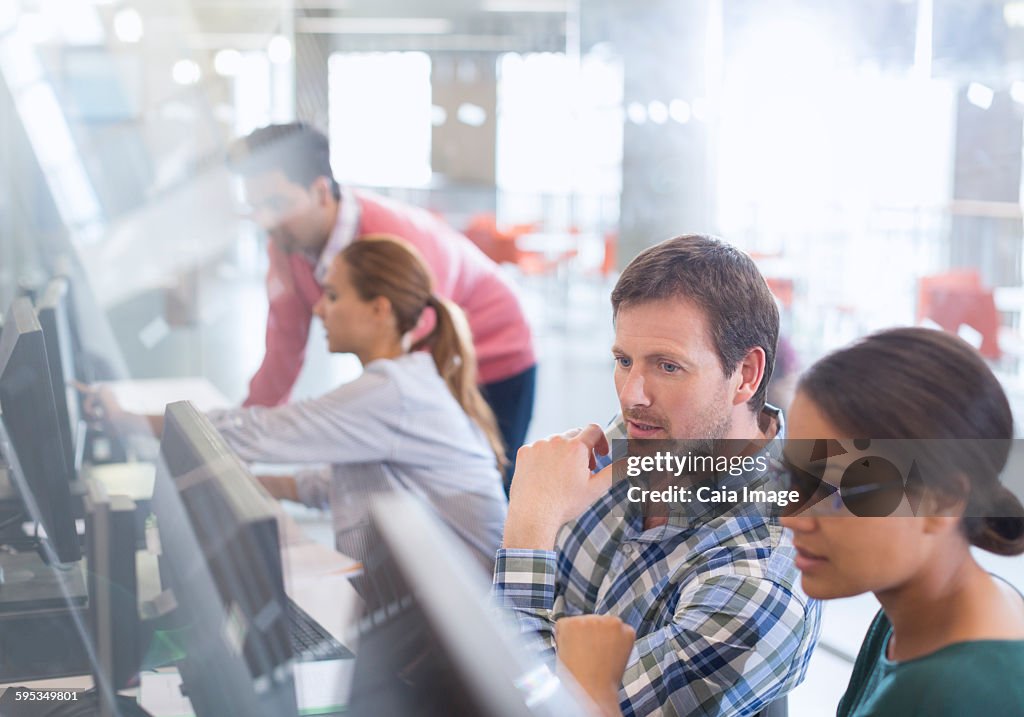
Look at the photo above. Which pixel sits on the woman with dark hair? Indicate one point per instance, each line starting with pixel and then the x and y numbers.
pixel 949 639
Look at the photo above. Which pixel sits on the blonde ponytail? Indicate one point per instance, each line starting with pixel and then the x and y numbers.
pixel 451 345
pixel 383 265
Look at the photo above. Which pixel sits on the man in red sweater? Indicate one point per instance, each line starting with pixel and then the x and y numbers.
pixel 309 218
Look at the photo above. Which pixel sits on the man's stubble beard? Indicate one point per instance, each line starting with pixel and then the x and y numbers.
pixel 705 437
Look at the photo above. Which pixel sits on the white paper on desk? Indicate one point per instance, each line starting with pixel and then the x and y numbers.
pixel 319 687
pixel 160 695
pixel 134 480
pixel 151 396
pixel 310 561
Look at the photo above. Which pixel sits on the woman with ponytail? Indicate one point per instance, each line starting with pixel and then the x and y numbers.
pixel 949 639
pixel 413 421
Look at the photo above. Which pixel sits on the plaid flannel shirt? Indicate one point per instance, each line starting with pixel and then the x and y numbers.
pixel 722 626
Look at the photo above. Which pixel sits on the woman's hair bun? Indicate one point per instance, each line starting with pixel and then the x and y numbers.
pixel 1003 533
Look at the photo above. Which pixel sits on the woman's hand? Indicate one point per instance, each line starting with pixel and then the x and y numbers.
pixel 595 650
pixel 280 487
pixel 101 406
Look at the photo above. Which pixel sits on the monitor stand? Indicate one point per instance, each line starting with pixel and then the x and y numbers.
pixel 11 507
pixel 7 492
pixel 28 583
pixel 43 619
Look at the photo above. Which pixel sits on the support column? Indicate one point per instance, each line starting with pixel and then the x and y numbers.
pixel 671 54
pixel 311 54
pixel 465 153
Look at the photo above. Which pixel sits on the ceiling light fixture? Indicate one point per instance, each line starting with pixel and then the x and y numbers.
pixel 128 25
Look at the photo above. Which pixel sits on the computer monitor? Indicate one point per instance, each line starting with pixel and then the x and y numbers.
pixel 53 313
pixel 428 643
pixel 221 562
pixel 115 627
pixel 42 605
pixel 29 407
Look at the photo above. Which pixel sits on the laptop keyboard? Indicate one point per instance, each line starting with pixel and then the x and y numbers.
pixel 310 641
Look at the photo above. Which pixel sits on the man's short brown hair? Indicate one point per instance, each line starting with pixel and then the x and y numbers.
pixel 724 282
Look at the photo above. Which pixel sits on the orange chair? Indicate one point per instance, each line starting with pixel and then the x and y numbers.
pixel 782 289
pixel 780 286
pixel 954 279
pixel 957 297
pixel 611 248
pixel 497 245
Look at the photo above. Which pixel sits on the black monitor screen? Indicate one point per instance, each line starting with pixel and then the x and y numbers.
pixel 30 413
pixel 52 311
pixel 220 557
pixel 428 643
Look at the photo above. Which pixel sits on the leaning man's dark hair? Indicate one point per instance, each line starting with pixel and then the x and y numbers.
pixel 720 279
pixel 298 150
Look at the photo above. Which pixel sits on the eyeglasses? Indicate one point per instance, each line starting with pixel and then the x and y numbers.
pixel 853 493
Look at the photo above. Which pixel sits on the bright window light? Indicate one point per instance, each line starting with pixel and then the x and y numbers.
pixel 35 27
pixel 559 125
pixel 8 16
pixel 829 161
pixel 251 95
pixel 380 138
pixel 78 22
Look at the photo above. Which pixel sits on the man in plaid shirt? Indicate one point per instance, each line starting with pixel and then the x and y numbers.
pixel 721 625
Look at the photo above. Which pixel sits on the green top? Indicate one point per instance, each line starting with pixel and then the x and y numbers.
pixel 981 677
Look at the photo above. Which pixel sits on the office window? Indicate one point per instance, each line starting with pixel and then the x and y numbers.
pixel 833 167
pixel 252 93
pixel 559 134
pixel 379 109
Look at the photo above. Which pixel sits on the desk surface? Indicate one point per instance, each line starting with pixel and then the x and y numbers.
pixel 316 578
pixel 151 396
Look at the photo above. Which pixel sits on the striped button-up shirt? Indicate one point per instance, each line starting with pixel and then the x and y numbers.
pixel 722 626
